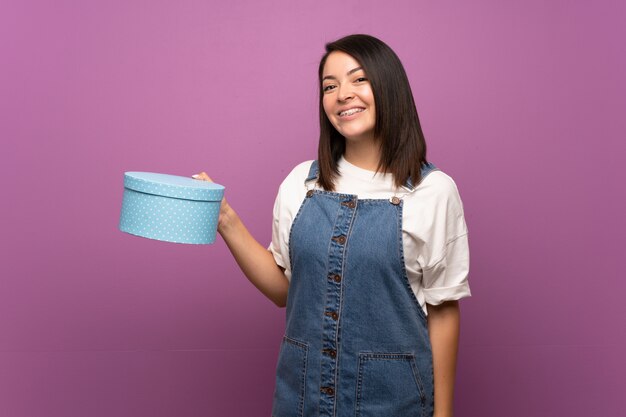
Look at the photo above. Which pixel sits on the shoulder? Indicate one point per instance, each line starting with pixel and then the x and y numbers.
pixel 438 190
pixel 440 184
pixel 434 214
pixel 297 176
pixel 293 186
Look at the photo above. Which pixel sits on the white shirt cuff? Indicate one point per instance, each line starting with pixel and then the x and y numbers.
pixel 436 296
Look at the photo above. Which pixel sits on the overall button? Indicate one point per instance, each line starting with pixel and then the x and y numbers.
pixel 350 204
pixel 330 352
pixel 328 390
pixel 394 200
pixel 332 314
pixel 340 239
pixel 309 193
pixel 336 277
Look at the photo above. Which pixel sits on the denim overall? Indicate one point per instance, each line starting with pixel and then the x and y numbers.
pixel 356 341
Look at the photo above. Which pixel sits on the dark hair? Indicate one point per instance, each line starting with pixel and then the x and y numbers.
pixel 403 148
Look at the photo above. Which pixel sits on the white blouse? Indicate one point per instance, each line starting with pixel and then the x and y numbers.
pixel 434 233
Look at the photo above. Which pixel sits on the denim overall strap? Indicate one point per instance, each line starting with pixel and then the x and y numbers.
pixel 314 172
pixel 426 169
pixel 356 341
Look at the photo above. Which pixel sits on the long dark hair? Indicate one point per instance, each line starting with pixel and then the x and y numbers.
pixel 403 148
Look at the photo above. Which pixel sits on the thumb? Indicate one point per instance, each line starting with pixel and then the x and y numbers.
pixel 203 176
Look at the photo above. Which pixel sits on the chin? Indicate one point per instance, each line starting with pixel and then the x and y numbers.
pixel 355 134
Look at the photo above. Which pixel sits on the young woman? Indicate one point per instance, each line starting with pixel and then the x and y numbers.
pixel 369 253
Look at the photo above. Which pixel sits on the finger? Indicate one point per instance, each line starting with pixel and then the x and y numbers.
pixel 202 176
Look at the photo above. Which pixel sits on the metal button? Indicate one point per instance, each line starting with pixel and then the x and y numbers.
pixel 331 352
pixel 328 390
pixel 394 200
pixel 340 239
pixel 336 277
pixel 309 193
pixel 332 314
pixel 351 204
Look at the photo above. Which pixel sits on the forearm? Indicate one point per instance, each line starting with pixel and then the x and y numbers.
pixel 443 328
pixel 255 261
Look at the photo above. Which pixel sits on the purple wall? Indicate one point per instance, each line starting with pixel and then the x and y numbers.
pixel 522 103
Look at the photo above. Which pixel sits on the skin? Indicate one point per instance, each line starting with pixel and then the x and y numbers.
pixel 255 261
pixel 443 330
pixel 346 86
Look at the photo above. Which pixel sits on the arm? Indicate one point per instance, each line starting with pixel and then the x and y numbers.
pixel 443 328
pixel 255 261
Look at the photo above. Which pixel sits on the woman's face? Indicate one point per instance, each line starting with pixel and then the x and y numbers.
pixel 348 99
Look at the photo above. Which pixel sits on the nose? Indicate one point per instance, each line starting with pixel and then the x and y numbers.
pixel 345 93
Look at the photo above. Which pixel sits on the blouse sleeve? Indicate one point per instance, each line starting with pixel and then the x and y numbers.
pixel 446 280
pixel 279 245
pixel 445 272
pixel 290 195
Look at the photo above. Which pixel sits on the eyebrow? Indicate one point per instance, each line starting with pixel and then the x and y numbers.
pixel 352 71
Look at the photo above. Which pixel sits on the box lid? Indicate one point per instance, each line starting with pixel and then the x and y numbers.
pixel 173 186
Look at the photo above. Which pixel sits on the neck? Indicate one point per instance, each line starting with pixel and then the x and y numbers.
pixel 363 154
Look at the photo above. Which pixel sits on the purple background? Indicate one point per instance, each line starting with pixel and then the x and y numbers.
pixel 522 103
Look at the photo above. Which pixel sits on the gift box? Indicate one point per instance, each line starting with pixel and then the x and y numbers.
pixel 170 207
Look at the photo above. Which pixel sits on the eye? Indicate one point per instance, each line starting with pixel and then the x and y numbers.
pixel 328 87
pixel 361 80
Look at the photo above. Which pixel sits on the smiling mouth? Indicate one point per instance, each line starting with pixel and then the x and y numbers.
pixel 350 112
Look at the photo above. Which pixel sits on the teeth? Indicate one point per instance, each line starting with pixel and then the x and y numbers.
pixel 350 112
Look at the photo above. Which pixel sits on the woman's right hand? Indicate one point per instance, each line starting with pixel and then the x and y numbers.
pixel 225 209
pixel 256 262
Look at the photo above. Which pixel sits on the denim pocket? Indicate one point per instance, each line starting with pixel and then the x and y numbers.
pixel 389 385
pixel 290 379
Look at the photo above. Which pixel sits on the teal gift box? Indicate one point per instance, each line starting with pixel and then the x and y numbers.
pixel 170 207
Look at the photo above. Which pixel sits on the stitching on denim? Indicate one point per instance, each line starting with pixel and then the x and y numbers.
pixel 298 343
pixel 314 172
pixel 304 347
pixel 391 356
pixel 293 223
pixel 353 213
pixel 386 355
pixel 420 384
pixel 305 367
pixel 333 196
pixel 359 386
pixel 425 171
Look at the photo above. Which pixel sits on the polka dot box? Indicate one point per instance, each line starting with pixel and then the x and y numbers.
pixel 170 208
